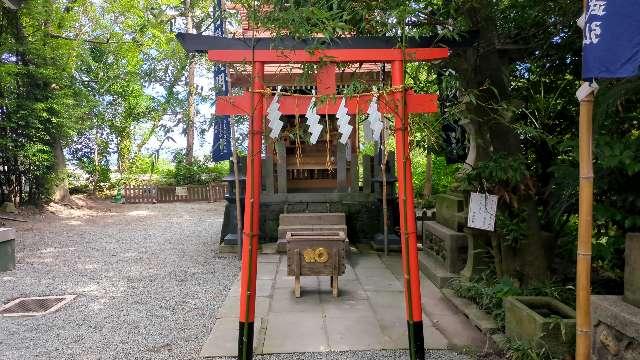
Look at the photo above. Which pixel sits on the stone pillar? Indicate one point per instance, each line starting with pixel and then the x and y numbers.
pixel 632 269
pixel 267 175
pixel 377 170
pixel 7 249
pixel 341 166
pixel 267 169
pixel 366 171
pixel 354 170
pixel 478 253
pixel 282 167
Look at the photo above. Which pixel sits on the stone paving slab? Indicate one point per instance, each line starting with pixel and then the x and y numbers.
pixel 223 340
pixel 295 332
pixel 263 288
pixel 347 331
pixel 267 270
pixel 369 314
pixel 269 258
pixel 231 307
pixel 377 279
pixel 285 302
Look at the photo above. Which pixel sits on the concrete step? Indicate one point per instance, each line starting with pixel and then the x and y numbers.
pixel 283 230
pixel 299 219
pixel 434 270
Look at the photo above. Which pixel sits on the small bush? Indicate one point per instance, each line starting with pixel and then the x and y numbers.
pixel 443 174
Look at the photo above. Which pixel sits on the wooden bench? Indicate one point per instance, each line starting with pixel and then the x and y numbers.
pixel 316 253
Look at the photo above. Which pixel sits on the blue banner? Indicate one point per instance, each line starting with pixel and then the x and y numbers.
pixel 221 149
pixel 611 39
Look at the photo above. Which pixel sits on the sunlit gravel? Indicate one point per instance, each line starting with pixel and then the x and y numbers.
pixel 147 278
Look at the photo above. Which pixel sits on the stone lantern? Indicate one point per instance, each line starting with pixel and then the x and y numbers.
pixel 228 234
pixel 393 215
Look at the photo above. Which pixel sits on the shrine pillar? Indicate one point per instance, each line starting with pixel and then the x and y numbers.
pixel 251 227
pixel 408 238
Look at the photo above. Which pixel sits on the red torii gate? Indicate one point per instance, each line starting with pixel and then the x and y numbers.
pixel 399 102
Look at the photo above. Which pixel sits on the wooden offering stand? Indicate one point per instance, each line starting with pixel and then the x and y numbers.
pixel 316 253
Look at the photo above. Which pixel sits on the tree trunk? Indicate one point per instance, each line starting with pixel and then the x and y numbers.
pixel 483 70
pixel 191 101
pixel 428 177
pixel 96 160
pixel 535 253
pixel 61 190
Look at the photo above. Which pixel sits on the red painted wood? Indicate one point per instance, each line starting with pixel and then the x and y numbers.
pixel 290 105
pixel 408 237
pixel 251 227
pixel 327 55
pixel 326 79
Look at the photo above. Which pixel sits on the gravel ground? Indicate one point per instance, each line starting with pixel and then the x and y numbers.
pixel 362 355
pixel 148 280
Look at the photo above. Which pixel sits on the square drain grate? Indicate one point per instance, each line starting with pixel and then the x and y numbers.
pixel 35 306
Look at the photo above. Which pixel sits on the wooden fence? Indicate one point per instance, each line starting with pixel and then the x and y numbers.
pixel 162 194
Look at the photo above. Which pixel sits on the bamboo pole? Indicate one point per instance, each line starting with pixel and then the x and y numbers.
pixel 585 215
pixel 585 227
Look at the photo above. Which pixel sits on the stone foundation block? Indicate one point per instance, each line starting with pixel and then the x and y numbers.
pixel 616 328
pixel 632 269
pixel 7 249
pixel 542 322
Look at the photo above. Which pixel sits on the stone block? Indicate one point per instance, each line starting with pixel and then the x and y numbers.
pixel 478 254
pixel 8 207
pixel 478 318
pixel 448 206
pixel 447 245
pixel 616 312
pixel 542 322
pixel 296 207
pixel 283 230
pixel 393 242
pixel 318 207
pixel 7 249
pixel 312 219
pixel 434 270
pixel 632 269
pixel 616 330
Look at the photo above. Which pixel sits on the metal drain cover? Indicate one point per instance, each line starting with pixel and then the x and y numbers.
pixel 35 306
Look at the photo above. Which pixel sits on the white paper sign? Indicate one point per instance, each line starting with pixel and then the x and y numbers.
pixel 482 211
pixel 182 191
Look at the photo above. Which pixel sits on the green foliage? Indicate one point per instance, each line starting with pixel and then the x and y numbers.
pixel 198 172
pixel 503 175
pixel 150 170
pixel 488 293
pixel 520 350
pixel 41 102
pixel 443 174
pixel 512 226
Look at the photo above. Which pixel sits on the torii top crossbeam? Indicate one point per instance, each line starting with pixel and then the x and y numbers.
pixel 290 51
pixel 400 102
